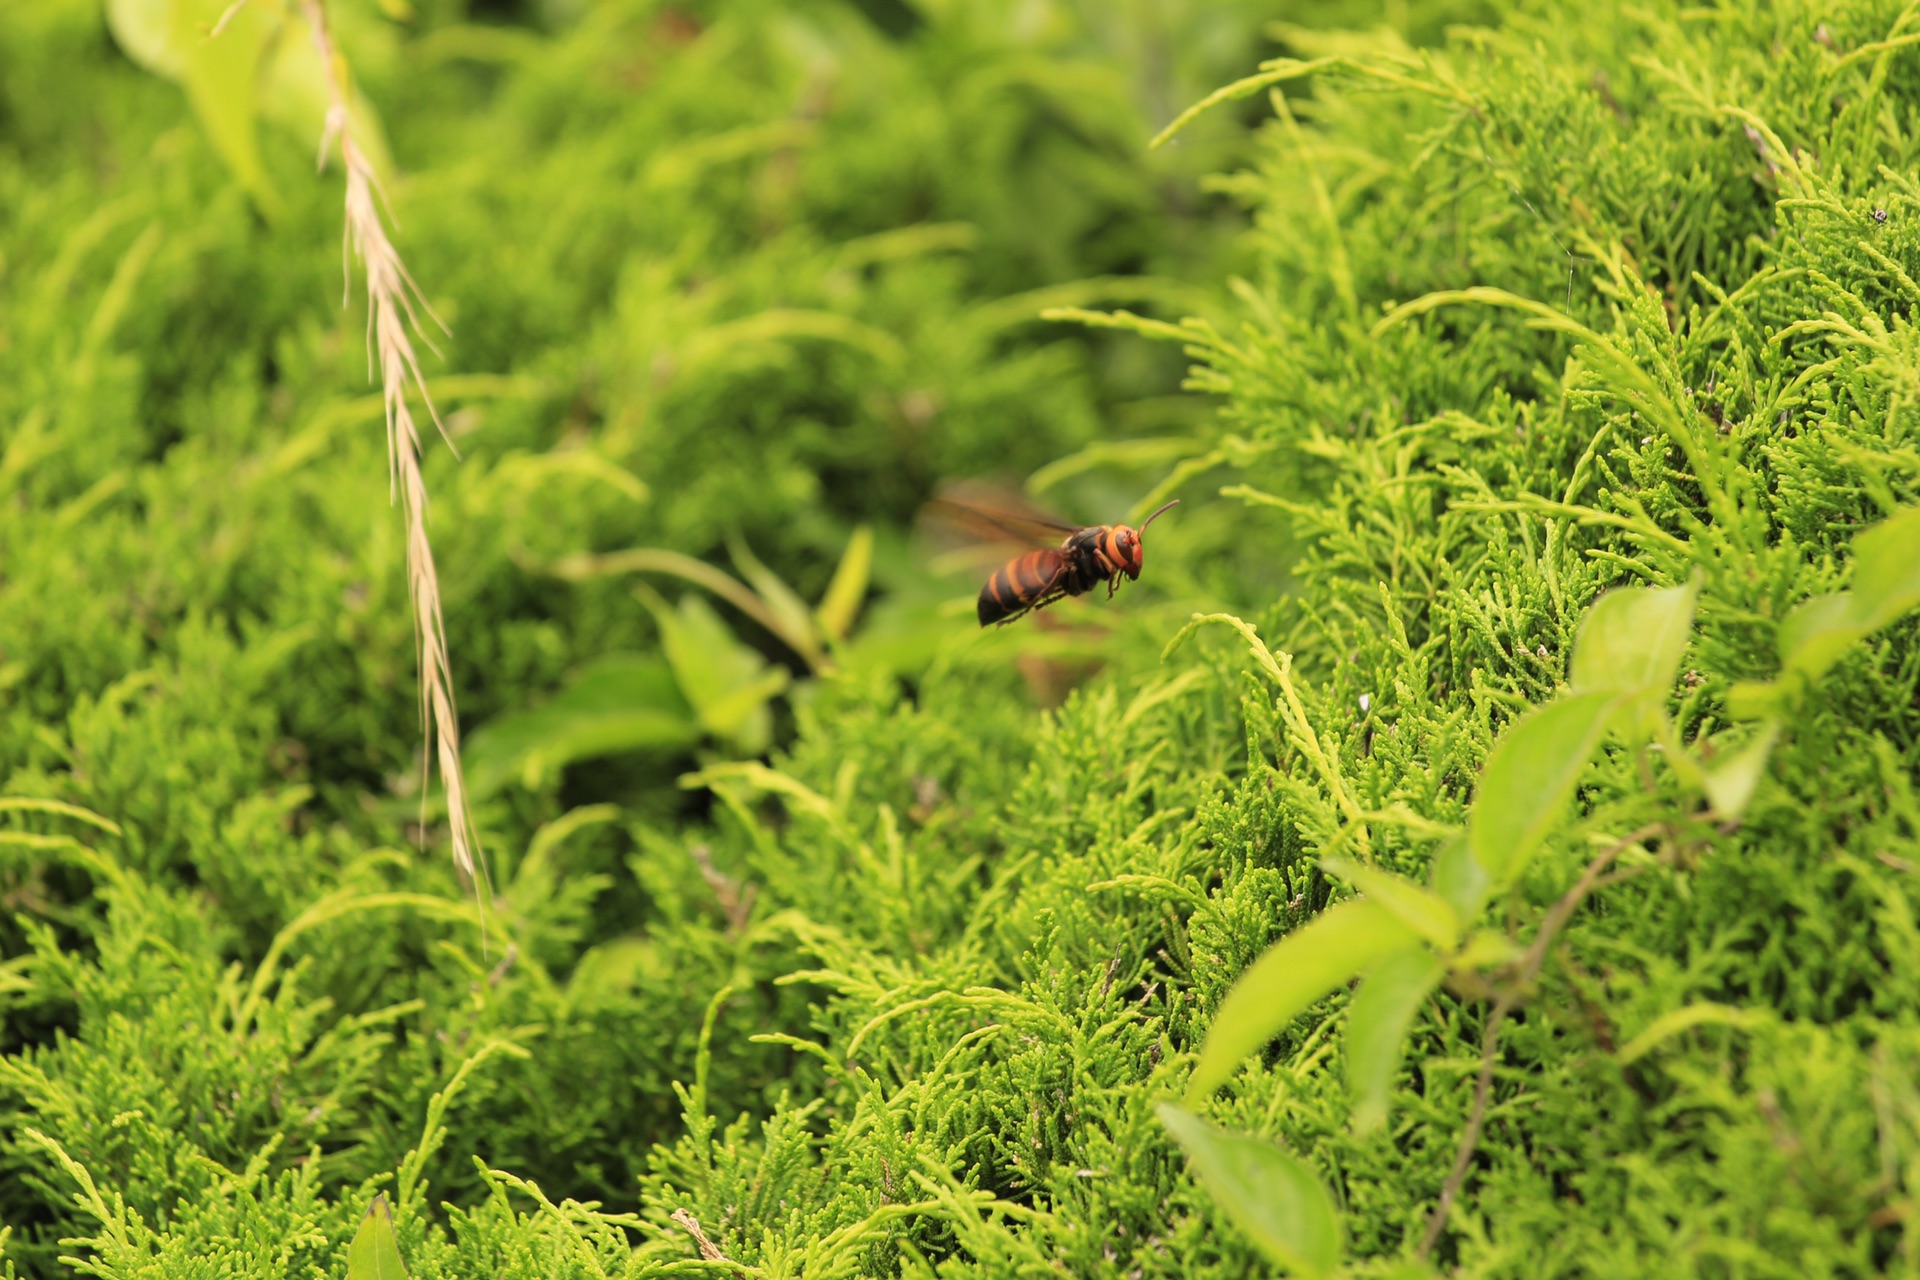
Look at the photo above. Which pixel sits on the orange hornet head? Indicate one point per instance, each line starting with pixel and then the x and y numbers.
pixel 1130 544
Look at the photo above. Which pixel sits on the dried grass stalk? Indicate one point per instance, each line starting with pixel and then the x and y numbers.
pixel 394 303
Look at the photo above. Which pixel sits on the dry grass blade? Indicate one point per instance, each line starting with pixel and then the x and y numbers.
pixel 393 309
pixel 709 1251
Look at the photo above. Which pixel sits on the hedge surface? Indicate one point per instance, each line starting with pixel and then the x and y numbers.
pixel 892 984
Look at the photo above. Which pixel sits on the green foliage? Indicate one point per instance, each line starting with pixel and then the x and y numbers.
pixel 1270 1195
pixel 375 1252
pixel 1512 866
pixel 1345 940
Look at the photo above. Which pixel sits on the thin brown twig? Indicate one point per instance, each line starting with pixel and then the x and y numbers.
pixel 736 901
pixel 1476 1119
pixel 226 15
pixel 691 1225
pixel 394 303
pixel 1514 990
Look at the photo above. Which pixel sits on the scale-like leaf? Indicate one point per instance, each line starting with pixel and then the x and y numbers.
pixel 1673 1022
pixel 1267 1193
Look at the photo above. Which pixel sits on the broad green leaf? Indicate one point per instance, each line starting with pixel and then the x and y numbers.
pixel 1632 640
pixel 263 63
pixel 1815 635
pixel 1340 944
pixel 732 715
pixel 1732 779
pixel 618 703
pixel 146 32
pixel 1757 699
pixel 848 590
pixel 899 636
pixel 795 619
pixel 1426 913
pixel 1886 569
pixel 221 78
pixel 1460 879
pixel 1529 778
pixel 375 1251
pixel 220 74
pixel 1266 1192
pixel 1484 950
pixel 726 682
pixel 1886 584
pixel 1377 1025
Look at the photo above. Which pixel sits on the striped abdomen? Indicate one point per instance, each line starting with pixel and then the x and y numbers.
pixel 1020 585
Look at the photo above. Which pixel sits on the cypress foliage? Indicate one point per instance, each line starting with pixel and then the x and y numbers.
pixel 879 968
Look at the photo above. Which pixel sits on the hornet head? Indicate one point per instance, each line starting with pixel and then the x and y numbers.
pixel 1130 548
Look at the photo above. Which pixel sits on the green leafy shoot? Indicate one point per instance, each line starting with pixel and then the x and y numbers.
pixel 619 702
pixel 1426 913
pixel 1337 946
pixel 847 591
pixel 1529 778
pixel 1267 1193
pixel 1377 1023
pixel 727 683
pixel 795 620
pixel 1631 640
pixel 769 601
pixel 1886 584
pixel 375 1251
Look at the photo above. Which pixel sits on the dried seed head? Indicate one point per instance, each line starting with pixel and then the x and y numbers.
pixel 394 304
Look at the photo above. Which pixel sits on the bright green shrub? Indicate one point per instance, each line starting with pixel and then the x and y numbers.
pixel 1531 310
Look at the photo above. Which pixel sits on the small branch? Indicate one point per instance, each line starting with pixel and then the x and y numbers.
pixel 1558 914
pixel 1514 989
pixel 227 15
pixel 499 972
pixel 736 902
pixel 1476 1119
pixel 708 1249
